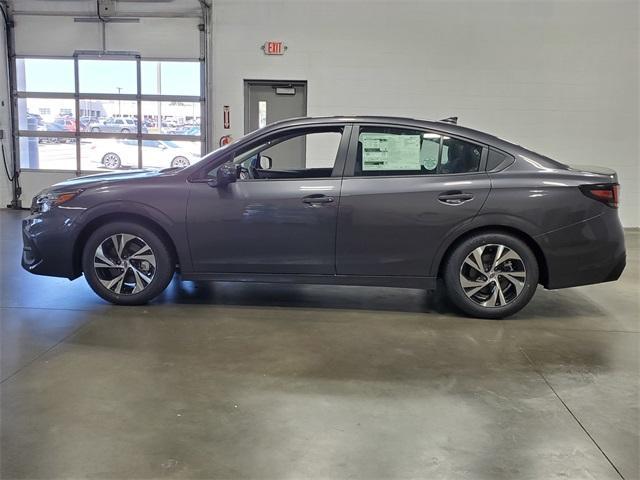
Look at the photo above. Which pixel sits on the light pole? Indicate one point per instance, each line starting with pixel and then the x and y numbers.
pixel 119 111
pixel 159 80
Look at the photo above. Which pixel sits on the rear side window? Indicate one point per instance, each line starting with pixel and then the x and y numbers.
pixel 394 151
pixel 497 159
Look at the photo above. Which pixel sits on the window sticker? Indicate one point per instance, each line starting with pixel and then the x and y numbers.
pixel 429 151
pixel 384 151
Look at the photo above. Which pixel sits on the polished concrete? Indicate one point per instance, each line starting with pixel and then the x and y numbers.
pixel 271 381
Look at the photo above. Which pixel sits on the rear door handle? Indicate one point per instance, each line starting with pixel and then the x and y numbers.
pixel 317 198
pixel 455 198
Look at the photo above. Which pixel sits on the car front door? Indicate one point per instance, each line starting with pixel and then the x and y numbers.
pixel 280 215
pixel 406 190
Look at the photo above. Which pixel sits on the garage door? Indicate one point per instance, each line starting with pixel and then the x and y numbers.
pixel 104 94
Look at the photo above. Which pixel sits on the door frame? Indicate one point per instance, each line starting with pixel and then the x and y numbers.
pixel 270 83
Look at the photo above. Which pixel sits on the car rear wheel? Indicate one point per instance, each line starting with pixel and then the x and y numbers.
pixel 124 130
pixel 180 162
pixel 95 129
pixel 111 161
pixel 127 264
pixel 491 275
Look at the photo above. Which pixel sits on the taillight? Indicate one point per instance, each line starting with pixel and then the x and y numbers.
pixel 607 193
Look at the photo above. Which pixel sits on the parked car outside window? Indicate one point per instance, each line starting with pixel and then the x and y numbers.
pixel 115 125
pixel 123 153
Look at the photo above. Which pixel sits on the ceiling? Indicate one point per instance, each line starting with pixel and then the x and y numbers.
pixel 123 8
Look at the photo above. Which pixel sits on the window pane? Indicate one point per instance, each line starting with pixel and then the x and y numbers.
pixel 44 75
pixel 262 114
pixel 110 116
pixel 48 153
pixel 169 153
pixel 459 156
pixel 107 76
pixel 109 154
pixel 170 78
pixel 311 155
pixel 392 151
pixel 46 114
pixel 495 159
pixel 172 118
pixel 316 150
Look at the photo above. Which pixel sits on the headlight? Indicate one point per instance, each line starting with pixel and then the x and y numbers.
pixel 45 201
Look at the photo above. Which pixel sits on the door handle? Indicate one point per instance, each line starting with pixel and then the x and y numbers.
pixel 317 198
pixel 455 198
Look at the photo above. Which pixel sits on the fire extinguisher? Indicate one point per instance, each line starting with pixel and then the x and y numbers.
pixel 226 139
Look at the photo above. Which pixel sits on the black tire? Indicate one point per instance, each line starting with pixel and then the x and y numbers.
pixel 455 261
pixel 124 130
pixel 95 129
pixel 164 268
pixel 180 161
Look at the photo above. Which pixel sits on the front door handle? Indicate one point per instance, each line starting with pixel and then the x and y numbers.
pixel 455 198
pixel 317 198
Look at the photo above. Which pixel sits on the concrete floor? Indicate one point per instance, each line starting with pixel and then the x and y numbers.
pixel 270 381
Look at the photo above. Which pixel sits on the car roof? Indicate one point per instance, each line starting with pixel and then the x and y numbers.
pixel 441 126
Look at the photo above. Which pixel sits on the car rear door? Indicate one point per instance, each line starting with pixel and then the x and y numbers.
pixel 404 191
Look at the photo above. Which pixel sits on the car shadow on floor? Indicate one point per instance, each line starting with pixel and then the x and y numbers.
pixel 565 303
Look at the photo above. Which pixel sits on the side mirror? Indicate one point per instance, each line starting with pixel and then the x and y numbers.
pixel 227 173
pixel 265 162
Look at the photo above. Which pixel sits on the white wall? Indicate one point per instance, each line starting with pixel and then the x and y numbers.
pixel 5 123
pixel 560 77
pixel 150 37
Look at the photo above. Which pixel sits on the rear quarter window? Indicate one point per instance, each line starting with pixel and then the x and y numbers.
pixel 497 160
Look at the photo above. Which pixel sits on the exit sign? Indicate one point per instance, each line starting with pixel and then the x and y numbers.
pixel 274 48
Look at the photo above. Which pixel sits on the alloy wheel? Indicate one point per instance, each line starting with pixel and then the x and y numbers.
pixel 493 275
pixel 124 264
pixel 111 160
pixel 180 162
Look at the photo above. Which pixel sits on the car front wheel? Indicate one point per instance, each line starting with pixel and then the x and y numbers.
pixel 126 263
pixel 491 275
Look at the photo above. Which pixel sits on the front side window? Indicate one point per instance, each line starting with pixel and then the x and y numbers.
pixel 296 155
pixel 395 151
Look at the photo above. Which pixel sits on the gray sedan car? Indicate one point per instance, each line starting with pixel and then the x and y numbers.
pixel 343 200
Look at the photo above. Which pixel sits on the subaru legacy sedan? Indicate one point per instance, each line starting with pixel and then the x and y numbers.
pixel 378 201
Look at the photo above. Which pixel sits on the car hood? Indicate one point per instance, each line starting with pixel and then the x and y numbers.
pixel 101 179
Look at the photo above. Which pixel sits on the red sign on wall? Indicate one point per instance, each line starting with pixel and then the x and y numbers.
pixel 274 48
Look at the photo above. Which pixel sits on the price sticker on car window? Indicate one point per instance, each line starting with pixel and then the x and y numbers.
pixel 383 151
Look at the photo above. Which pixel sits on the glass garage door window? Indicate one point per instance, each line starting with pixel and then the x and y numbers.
pixel 120 107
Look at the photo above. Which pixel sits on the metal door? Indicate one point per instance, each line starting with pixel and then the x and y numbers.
pixel 269 102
